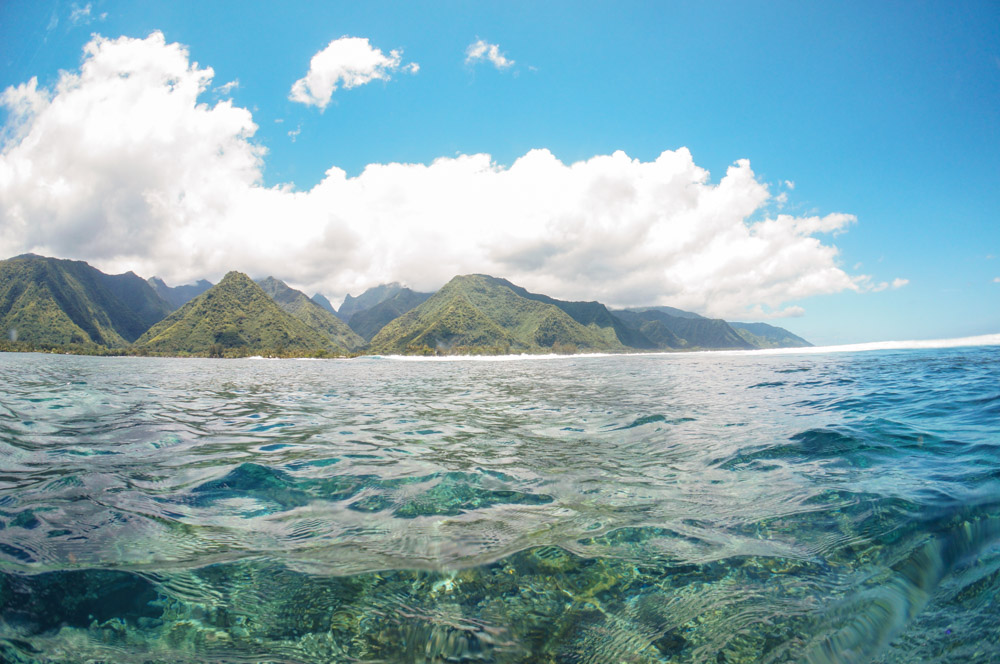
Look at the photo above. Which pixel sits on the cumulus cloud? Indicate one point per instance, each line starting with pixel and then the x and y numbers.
pixel 480 51
pixel 121 165
pixel 347 62
pixel 119 159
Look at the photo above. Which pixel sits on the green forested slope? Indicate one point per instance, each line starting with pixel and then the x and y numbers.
pixel 54 301
pixel 139 296
pixel 593 315
pixel 235 317
pixel 688 333
pixel 296 303
pixel 762 335
pixel 368 322
pixel 478 313
pixel 56 304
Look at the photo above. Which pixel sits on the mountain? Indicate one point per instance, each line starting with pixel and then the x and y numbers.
pixel 56 302
pixel 367 300
pixel 673 311
pixel 301 307
pixel 50 303
pixel 593 315
pixel 654 327
pixel 668 331
pixel 368 322
pixel 233 317
pixel 479 313
pixel 178 296
pixel 762 335
pixel 136 293
pixel 323 302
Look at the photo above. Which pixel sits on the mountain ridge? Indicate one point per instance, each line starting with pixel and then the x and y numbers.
pixel 234 317
pixel 296 304
pixel 58 304
pixel 63 302
pixel 178 296
pixel 479 311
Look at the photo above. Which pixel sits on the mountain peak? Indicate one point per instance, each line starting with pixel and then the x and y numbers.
pixel 235 277
pixel 235 314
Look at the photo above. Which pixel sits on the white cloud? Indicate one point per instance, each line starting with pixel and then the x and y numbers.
pixel 226 88
pixel 119 164
pixel 865 283
pixel 479 50
pixel 996 280
pixel 120 157
pixel 347 62
pixel 80 14
pixel 789 184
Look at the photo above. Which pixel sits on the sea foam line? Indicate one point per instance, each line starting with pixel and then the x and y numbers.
pixel 914 344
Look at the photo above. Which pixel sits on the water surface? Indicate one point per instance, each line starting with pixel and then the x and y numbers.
pixel 668 508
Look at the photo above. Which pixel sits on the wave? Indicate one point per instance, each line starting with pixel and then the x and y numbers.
pixel 913 344
pixel 493 358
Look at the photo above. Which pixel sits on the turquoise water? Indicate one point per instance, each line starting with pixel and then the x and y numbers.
pixel 839 507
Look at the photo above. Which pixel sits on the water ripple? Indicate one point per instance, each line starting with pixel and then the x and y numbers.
pixel 644 508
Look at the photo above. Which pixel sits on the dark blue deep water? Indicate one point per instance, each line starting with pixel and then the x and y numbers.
pixel 838 507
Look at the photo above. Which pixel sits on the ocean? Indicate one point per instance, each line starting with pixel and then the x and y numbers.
pixel 705 507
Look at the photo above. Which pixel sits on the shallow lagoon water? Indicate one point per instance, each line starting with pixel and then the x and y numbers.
pixel 839 507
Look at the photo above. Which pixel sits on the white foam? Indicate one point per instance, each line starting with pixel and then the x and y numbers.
pixel 914 344
pixel 492 358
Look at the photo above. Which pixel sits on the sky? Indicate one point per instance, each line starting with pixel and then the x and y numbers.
pixel 830 168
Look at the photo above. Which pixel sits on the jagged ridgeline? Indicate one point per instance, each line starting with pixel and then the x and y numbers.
pixel 236 317
pixel 371 297
pixel 65 305
pixel 296 304
pixel 479 313
pixel 51 302
pixel 664 328
pixel 368 322
pixel 178 296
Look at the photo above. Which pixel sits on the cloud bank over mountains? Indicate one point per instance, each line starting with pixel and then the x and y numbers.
pixel 121 165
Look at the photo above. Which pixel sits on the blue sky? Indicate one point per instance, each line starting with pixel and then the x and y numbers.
pixel 885 112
